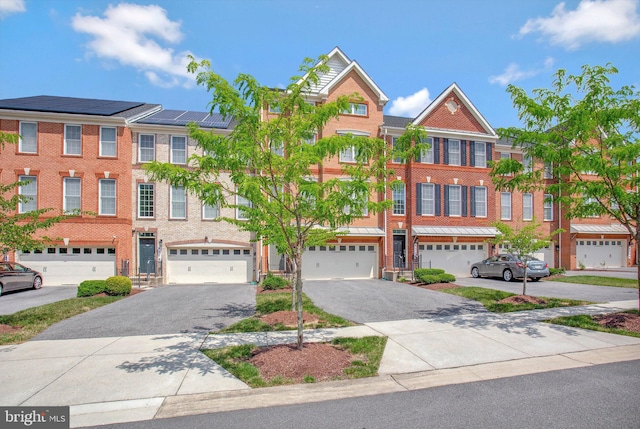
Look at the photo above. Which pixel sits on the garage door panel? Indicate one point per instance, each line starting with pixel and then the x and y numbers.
pixel 70 269
pixel 353 262
pixel 601 253
pixel 209 266
pixel 455 259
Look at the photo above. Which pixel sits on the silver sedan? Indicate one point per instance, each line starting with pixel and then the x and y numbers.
pixel 510 267
pixel 14 276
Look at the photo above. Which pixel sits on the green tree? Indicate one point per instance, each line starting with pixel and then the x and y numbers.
pixel 18 230
pixel 523 242
pixel 587 134
pixel 268 169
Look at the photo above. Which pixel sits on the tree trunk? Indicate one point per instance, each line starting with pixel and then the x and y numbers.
pixel 524 281
pixel 294 286
pixel 298 288
pixel 638 267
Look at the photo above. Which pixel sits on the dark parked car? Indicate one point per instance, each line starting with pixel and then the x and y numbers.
pixel 510 267
pixel 14 276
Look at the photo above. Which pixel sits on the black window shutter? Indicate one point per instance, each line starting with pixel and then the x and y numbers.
pixel 436 150
pixel 418 198
pixel 472 153
pixel 463 191
pixel 473 201
pixel 445 149
pixel 446 200
pixel 436 191
pixel 463 152
pixel 489 152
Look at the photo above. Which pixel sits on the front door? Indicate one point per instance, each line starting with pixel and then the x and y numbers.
pixel 147 256
pixel 399 251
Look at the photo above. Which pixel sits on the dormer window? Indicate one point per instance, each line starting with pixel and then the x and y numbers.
pixel 358 109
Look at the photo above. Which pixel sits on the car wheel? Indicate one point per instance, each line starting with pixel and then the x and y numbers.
pixel 37 283
pixel 0 289
pixel 474 272
pixel 507 275
pixel 535 279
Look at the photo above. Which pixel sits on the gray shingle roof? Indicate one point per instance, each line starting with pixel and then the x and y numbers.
pixel 80 106
pixel 396 121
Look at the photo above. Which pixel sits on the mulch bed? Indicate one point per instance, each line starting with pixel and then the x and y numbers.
pixel 435 286
pixel 288 318
pixel 630 322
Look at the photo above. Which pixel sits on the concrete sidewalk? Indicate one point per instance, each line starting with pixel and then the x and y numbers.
pixel 109 380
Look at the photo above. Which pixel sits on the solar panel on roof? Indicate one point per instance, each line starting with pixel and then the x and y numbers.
pixel 84 106
pixel 193 116
pixel 167 114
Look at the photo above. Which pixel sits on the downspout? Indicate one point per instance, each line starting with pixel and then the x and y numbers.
pixel 384 268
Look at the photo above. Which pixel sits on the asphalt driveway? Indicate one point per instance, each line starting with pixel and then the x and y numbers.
pixel 365 301
pixel 10 302
pixel 164 310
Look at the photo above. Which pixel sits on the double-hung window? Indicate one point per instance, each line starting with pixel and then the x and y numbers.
pixel 399 198
pixel 73 140
pixel 30 190
pixel 548 171
pixel 426 155
pixel 107 197
pixel 454 152
pixel 178 205
pixel 428 194
pixel 210 212
pixel 277 147
pixel 359 109
pixel 455 200
pixel 242 202
pixel 480 154
pixel 397 159
pixel 146 147
pixel 548 207
pixel 527 206
pixel 480 201
pixel 108 141
pixel 505 205
pixel 146 200
pixel 527 163
pixel 178 150
pixel 348 154
pixel 28 137
pixel 72 194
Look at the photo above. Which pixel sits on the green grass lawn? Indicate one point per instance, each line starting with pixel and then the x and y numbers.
pixel 272 302
pixel 598 281
pixel 586 322
pixel 34 320
pixel 490 297
pixel 235 359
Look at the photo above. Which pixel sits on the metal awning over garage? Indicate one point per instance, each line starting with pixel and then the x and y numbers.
pixel 361 231
pixel 462 231
pixel 598 229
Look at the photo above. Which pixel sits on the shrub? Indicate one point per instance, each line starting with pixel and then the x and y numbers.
pixel 92 287
pixel 446 278
pixel 557 271
pixel 429 279
pixel 428 272
pixel 118 285
pixel 272 282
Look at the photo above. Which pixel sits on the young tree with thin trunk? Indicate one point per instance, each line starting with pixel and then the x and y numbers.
pixel 268 167
pixel 588 135
pixel 523 242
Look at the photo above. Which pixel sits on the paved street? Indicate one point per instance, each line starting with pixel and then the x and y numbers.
pixel 164 310
pixel 11 302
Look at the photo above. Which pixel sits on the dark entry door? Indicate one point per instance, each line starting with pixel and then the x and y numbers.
pixel 147 256
pixel 399 251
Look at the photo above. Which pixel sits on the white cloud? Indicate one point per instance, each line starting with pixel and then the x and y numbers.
pixel 593 21
pixel 513 73
pixel 7 7
pixel 411 105
pixel 136 36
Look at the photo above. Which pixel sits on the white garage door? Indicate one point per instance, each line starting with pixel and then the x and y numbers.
pixel 340 261
pixel 453 258
pixel 192 265
pixel 71 265
pixel 601 253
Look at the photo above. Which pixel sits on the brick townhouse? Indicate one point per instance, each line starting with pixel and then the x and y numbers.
pixel 75 154
pixel 89 154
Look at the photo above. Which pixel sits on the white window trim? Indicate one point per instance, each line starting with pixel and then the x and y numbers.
pixel 502 206
pixel 115 142
pixel 525 197
pixel 172 149
pixel 153 203
pixel 34 196
pixel 140 148
pixel 217 211
pixel 527 163
pixel 241 201
pixel 66 180
pixel 351 152
pixel 458 152
pixel 100 197
pixel 548 205
pixel 482 190
pixel 458 201
pixel 427 156
pixel 20 143
pixel 423 188
pixel 171 202
pixel 66 143
pixel 482 153
pixel 353 109
pixel 394 193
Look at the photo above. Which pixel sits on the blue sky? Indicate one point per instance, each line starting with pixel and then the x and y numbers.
pixel 412 49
